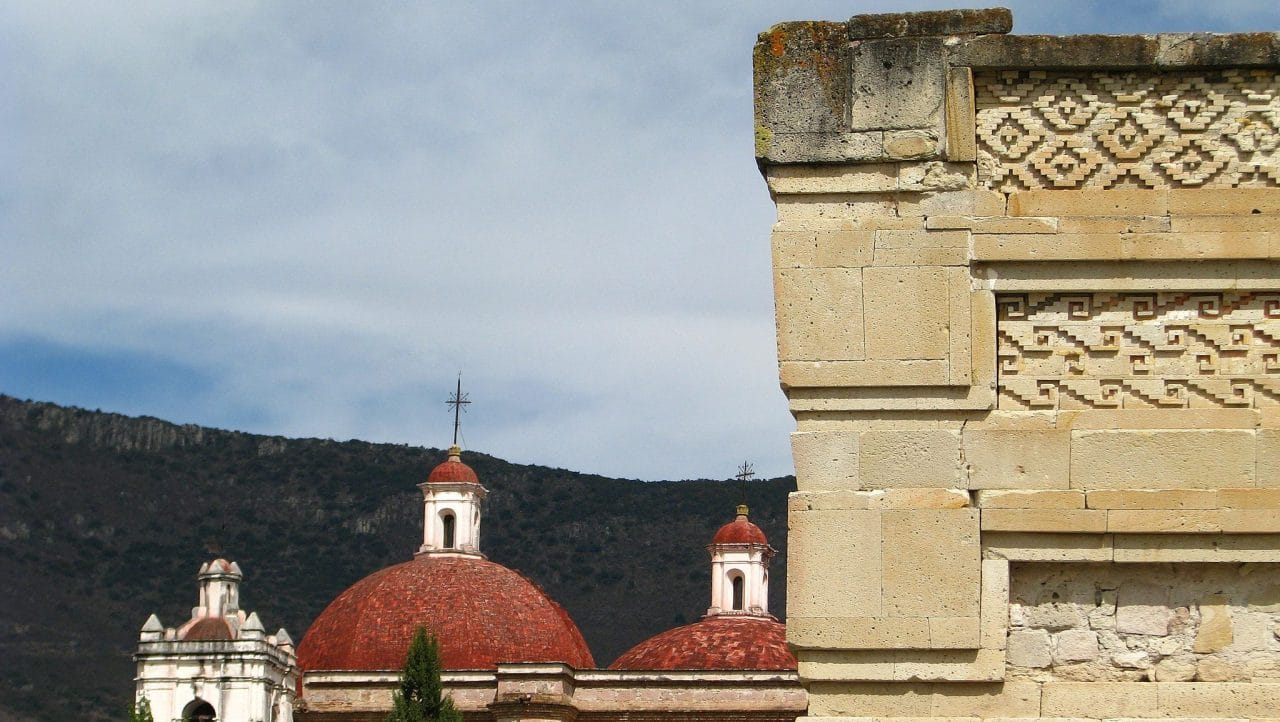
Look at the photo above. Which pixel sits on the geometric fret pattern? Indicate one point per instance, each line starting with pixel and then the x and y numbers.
pixel 1039 130
pixel 1138 350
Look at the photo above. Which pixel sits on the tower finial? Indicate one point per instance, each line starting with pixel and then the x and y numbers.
pixel 458 401
pixel 746 473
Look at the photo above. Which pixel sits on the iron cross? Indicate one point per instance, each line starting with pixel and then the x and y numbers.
pixel 458 401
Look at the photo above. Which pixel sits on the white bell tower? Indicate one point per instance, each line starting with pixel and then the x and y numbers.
pixel 221 665
pixel 451 498
pixel 740 555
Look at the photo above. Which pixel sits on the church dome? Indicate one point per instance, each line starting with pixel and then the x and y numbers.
pixel 740 531
pixel 482 613
pixel 717 642
pixel 453 471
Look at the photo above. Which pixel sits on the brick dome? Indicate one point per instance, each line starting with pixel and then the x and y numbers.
pixel 740 531
pixel 720 642
pixel 453 471
pixel 482 613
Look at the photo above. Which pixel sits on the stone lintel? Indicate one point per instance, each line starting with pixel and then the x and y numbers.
pixel 930 22
pixel 881 88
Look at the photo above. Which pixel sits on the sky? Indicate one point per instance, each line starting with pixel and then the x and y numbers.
pixel 306 219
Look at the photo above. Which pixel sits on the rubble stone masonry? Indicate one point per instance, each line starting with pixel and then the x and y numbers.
pixel 1028 313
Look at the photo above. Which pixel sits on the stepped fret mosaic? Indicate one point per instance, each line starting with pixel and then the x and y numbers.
pixel 1038 130
pixel 1138 350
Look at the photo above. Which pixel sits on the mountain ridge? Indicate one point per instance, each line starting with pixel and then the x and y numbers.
pixel 104 519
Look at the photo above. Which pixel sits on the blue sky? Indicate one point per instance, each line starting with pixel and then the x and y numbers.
pixel 306 218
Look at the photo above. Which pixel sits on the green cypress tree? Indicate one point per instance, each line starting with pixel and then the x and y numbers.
pixel 421 695
pixel 140 711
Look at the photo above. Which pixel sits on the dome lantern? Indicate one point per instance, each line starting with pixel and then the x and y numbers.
pixel 451 498
pixel 740 555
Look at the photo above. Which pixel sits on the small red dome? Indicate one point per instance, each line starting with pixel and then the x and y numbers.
pixel 721 642
pixel 740 531
pixel 453 471
pixel 209 629
pixel 482 613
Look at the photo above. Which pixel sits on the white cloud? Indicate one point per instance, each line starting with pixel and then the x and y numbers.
pixel 330 209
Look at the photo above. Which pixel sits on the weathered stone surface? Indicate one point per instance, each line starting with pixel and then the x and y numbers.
pixel 930 22
pixel 897 84
pixel 1215 625
pixel 1029 648
pixel 1075 645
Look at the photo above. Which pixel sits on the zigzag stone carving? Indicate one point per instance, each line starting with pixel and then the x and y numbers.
pixel 1138 350
pixel 1038 130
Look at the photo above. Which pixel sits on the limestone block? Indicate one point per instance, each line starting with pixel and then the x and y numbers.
pixel 1214 632
pixel 909 458
pixel 1014 225
pixel 1201 521
pixel 935 176
pixel 825 459
pixel 869 699
pixel 1217 699
pixel 819 312
pixel 964 324
pixel 827 374
pixel 1115 224
pixel 906 311
pixel 921 248
pixel 1014 698
pixel 1017 459
pixel 844 249
pixel 901 84
pixel 1175 669
pixel 931 563
pixel 1028 499
pixel 1143 608
pixel 849 178
pixel 832 211
pixel 926 498
pixel 797 249
pixel 1041 547
pixel 1097 699
pixel 1213 669
pixel 1268 468
pixel 1029 648
pixel 954 633
pixel 853 633
pixel 1162 459
pixel 1122 419
pixel 1196 548
pixel 1111 202
pixel 1233 201
pixel 1080 521
pixel 995 603
pixel 1075 645
pixel 910 144
pixel 1154 499
pixel 961 138
pixel 835 564
pixel 1249 223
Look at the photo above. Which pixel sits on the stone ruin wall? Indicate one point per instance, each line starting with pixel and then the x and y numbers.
pixel 1028 313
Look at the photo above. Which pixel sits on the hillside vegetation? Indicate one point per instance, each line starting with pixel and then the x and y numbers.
pixel 105 519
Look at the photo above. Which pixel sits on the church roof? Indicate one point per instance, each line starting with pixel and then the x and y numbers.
pixel 482 613
pixel 718 642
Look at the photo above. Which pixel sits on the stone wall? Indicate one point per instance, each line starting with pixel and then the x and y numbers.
pixel 1028 313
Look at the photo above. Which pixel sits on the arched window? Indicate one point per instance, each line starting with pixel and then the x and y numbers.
pixel 738 592
pixel 198 710
pixel 449 522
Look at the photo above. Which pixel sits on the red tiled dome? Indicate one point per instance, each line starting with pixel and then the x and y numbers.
pixel 482 613
pixel 740 531
pixel 452 471
pixel 745 643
